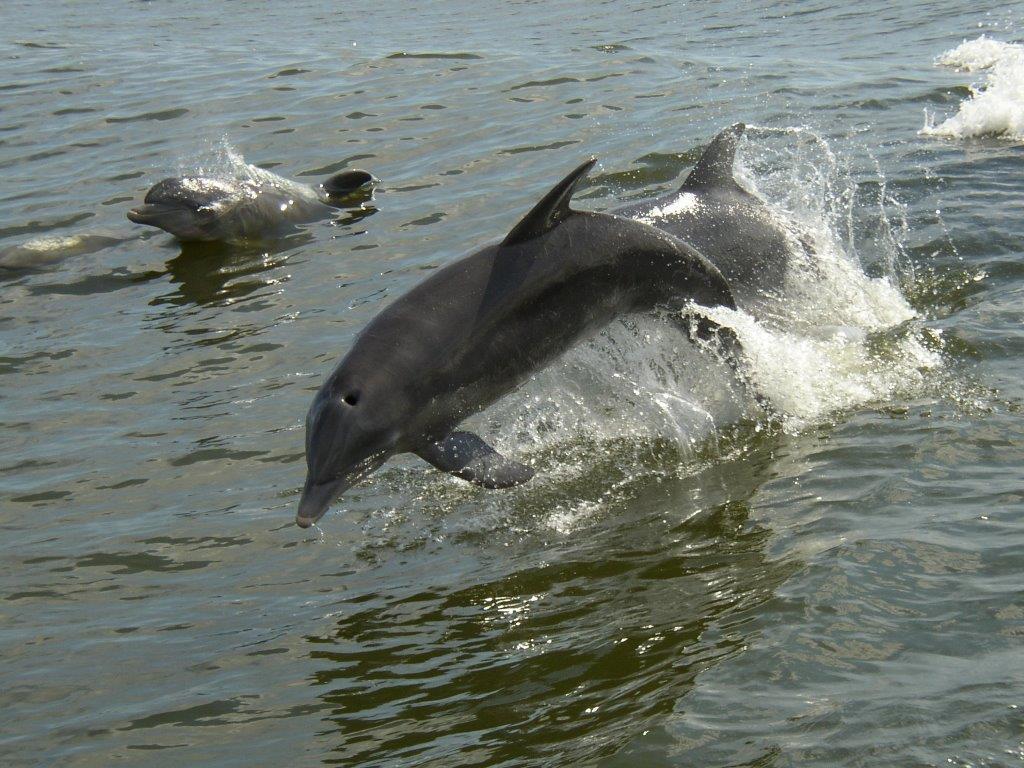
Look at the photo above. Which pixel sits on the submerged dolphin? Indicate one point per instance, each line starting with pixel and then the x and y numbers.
pixel 478 328
pixel 47 250
pixel 264 204
pixel 734 229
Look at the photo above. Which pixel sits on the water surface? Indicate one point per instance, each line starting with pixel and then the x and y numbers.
pixel 684 584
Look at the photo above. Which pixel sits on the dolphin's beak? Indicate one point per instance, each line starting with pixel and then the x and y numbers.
pixel 317 498
pixel 149 213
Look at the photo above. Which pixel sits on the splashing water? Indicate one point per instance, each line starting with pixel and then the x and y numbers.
pixel 996 106
pixel 686 202
pixel 811 374
pixel 223 162
pixel 220 160
pixel 640 403
pixel 834 339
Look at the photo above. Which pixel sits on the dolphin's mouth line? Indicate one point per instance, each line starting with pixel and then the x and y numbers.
pixel 149 213
pixel 323 494
pixel 360 471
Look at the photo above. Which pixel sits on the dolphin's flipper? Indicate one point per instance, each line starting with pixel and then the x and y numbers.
pixel 714 169
pixel 466 455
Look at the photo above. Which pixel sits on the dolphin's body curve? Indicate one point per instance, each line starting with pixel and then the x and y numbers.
pixel 478 328
pixel 47 250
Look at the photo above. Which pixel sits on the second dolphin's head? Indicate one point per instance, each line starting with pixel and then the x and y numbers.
pixel 188 207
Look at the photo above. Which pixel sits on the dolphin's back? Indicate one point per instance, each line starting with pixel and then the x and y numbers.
pixel 479 327
pixel 738 236
pixel 733 228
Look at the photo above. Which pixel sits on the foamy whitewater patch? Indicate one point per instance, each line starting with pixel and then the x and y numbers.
pixel 829 342
pixel 53 242
pixel 808 376
pixel 686 202
pixel 975 55
pixel 996 105
pixel 45 250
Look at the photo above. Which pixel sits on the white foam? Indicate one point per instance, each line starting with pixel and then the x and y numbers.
pixel 222 163
pixel 836 338
pixel 47 243
pixel 808 376
pixel 44 250
pixel 687 202
pixel 996 105
pixel 975 55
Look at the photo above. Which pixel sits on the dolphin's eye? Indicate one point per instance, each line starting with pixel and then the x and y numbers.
pixel 351 398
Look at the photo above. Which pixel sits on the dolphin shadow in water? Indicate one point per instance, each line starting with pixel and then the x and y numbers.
pixel 206 273
pixel 478 328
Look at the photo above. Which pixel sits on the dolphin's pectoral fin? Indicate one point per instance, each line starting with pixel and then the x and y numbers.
pixel 466 455
pixel 700 328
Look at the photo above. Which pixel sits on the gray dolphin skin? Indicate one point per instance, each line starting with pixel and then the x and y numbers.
pixel 47 250
pixel 727 224
pixel 198 208
pixel 478 328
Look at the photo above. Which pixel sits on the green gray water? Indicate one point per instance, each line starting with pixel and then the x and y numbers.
pixel 844 589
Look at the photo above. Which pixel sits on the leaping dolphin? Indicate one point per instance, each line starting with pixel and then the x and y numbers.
pixel 263 204
pixel 476 329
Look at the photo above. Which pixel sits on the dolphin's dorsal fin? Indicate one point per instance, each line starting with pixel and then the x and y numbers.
pixel 348 182
pixel 551 210
pixel 714 169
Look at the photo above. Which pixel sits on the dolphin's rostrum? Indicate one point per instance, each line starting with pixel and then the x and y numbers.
pixel 478 328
